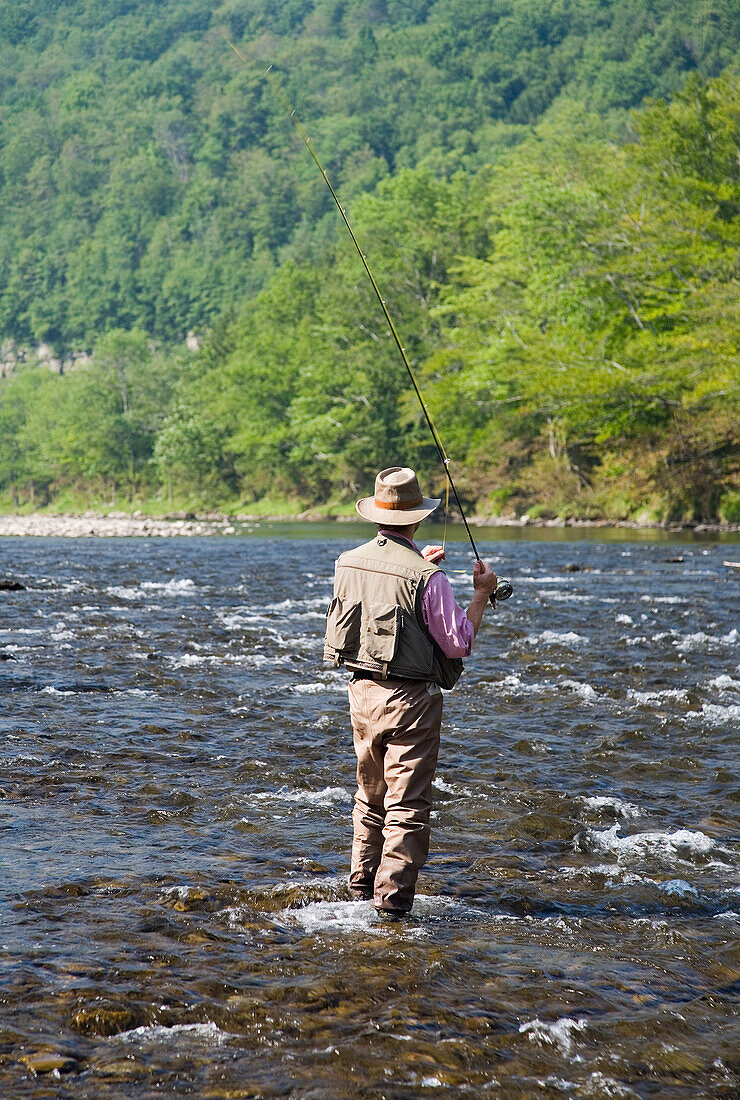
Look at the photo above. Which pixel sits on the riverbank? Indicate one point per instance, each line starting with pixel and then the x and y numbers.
pixel 137 525
pixel 112 525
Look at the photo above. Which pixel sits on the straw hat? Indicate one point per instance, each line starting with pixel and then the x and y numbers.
pixel 398 499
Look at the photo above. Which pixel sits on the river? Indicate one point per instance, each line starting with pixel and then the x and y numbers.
pixel 176 780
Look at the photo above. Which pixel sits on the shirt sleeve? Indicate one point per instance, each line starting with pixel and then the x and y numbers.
pixel 446 621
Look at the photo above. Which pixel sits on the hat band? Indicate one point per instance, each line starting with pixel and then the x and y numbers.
pixel 399 505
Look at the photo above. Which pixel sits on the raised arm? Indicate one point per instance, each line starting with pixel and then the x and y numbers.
pixel 484 585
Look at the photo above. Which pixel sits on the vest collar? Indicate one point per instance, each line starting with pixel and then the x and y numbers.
pixel 400 540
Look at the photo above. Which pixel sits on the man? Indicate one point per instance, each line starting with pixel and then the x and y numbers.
pixel 395 624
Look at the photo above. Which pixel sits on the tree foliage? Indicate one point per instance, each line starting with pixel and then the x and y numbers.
pixel 149 179
pixel 607 310
pixel 563 271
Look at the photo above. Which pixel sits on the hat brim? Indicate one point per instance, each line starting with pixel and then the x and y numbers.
pixel 396 517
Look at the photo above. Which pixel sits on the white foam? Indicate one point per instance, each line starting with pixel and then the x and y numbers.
pixel 180 892
pixel 658 698
pixel 183 587
pixel 725 683
pixel 543 580
pixel 122 593
pixel 608 802
pixel 55 691
pixel 317 688
pixel 259 660
pixel 717 715
pixel 606 1087
pixel 569 926
pixel 360 916
pixel 558 1034
pixel 335 916
pixel 585 691
pixel 450 788
pixel 625 620
pixel 328 796
pixel 557 1083
pixel 615 877
pixel 192 660
pixel 569 597
pixel 553 637
pixel 253 660
pixel 688 643
pixel 678 887
pixel 159 1034
pixel 315 603
pixel 236 620
pixel 682 845
pixel 235 916
pixel 663 599
pixel 514 684
pixel 239 620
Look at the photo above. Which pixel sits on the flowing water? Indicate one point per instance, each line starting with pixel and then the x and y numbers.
pixel 176 777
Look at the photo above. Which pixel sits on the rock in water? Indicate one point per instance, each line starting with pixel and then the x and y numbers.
pixel 48 1061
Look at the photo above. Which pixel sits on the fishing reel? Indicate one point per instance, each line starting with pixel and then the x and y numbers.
pixel 504 591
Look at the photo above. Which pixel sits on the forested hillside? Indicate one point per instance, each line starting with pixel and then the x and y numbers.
pixel 148 178
pixel 565 273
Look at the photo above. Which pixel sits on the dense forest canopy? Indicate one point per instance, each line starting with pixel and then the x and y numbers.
pixel 147 178
pixel 564 268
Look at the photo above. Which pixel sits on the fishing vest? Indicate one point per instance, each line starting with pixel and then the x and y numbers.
pixel 374 622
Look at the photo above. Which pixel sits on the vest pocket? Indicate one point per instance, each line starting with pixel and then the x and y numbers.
pixel 343 626
pixel 417 651
pixel 381 633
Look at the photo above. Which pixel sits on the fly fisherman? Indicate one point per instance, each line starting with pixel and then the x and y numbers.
pixel 395 624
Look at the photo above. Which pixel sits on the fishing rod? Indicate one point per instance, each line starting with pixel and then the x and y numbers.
pixel 504 590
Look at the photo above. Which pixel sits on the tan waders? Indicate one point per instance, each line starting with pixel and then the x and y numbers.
pixel 396 726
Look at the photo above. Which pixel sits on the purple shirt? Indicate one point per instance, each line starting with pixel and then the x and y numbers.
pixel 446 621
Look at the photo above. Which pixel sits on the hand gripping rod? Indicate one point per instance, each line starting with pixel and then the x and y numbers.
pixel 504 589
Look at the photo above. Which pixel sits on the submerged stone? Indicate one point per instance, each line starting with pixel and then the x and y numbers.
pixel 104 1017
pixel 48 1061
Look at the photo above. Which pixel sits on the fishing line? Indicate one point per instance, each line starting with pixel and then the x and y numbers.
pixel 290 110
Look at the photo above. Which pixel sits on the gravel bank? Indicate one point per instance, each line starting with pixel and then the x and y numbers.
pixel 111 526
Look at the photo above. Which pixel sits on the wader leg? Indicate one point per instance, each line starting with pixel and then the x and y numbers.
pixel 413 719
pixel 368 814
pixel 396 732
